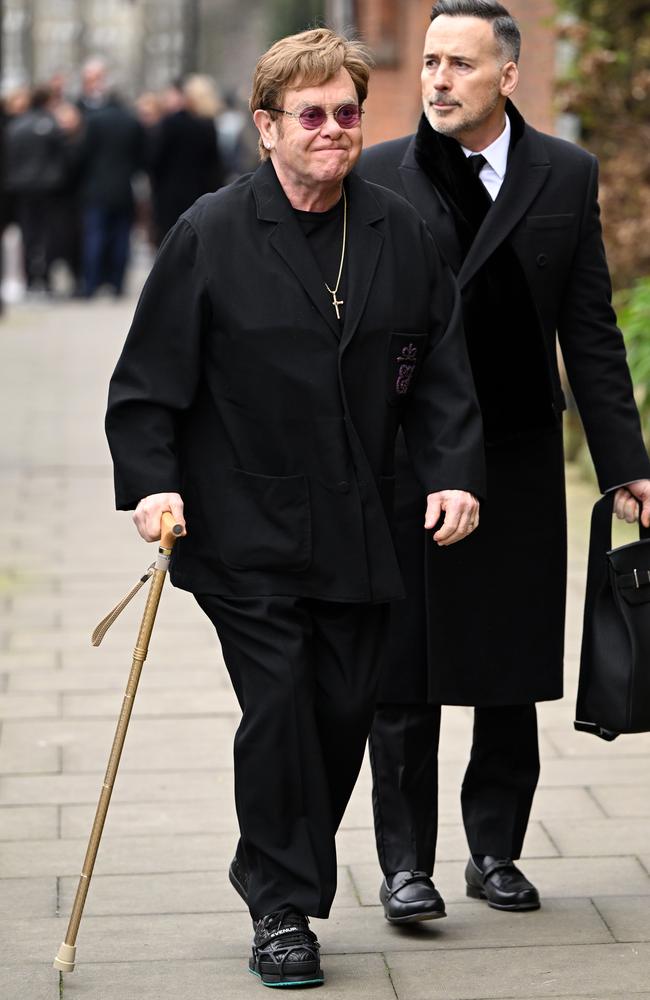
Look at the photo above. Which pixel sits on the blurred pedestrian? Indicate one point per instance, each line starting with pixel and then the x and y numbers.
pixel 149 111
pixel 237 138
pixel 111 153
pixel 94 85
pixel 15 103
pixel 36 170
pixel 185 161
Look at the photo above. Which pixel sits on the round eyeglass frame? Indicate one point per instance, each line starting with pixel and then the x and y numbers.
pixel 311 126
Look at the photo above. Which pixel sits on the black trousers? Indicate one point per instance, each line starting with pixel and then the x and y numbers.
pixel 33 212
pixel 497 791
pixel 305 673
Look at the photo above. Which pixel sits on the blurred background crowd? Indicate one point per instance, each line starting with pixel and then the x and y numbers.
pixel 117 114
pixel 82 170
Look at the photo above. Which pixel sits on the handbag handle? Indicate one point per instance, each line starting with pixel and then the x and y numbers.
pixel 601 525
pixel 600 543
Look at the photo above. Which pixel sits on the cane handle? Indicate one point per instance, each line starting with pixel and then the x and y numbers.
pixel 169 531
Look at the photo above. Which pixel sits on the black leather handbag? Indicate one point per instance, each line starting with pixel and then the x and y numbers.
pixel 614 684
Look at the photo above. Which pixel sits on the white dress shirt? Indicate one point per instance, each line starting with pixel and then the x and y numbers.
pixel 496 154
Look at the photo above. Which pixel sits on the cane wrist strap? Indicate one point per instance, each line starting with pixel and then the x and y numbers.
pixel 106 622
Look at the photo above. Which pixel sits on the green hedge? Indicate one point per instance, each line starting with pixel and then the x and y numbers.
pixel 633 307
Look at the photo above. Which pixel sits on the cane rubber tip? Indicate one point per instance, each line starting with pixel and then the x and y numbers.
pixel 65 958
pixel 177 529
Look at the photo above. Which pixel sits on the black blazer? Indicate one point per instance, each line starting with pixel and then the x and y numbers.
pixel 237 388
pixel 547 210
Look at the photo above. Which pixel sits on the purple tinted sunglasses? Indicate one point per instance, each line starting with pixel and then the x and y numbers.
pixel 313 117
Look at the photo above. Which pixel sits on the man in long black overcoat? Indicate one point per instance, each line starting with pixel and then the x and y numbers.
pixel 265 390
pixel 519 224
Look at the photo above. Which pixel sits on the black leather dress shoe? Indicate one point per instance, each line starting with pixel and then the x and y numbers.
pixel 409 897
pixel 239 878
pixel 502 884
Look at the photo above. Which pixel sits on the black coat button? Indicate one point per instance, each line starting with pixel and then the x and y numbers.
pixel 542 260
pixel 343 486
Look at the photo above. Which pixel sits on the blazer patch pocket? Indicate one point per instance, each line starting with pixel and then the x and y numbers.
pixel 549 221
pixel 265 522
pixel 405 353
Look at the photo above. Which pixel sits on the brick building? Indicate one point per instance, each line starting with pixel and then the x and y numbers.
pixel 395 29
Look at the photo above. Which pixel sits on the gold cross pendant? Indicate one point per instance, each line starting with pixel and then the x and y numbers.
pixel 336 303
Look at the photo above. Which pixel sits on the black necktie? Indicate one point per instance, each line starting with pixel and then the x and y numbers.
pixel 477 161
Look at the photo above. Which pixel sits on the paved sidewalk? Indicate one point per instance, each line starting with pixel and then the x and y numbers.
pixel 161 920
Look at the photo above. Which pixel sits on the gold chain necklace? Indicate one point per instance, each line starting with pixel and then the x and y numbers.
pixel 339 302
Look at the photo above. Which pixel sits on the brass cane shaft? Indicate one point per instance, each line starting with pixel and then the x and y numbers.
pixel 139 656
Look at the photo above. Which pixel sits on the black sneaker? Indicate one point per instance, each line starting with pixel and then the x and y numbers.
pixel 285 951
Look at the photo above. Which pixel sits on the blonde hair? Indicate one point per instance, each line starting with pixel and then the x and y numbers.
pixel 307 59
pixel 201 96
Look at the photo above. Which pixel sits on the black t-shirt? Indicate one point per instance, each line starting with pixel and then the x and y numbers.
pixel 324 232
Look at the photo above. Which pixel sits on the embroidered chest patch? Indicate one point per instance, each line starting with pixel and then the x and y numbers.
pixel 406 360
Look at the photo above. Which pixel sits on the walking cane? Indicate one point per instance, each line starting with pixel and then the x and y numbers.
pixel 65 958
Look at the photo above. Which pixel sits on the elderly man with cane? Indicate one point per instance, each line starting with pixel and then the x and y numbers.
pixel 291 323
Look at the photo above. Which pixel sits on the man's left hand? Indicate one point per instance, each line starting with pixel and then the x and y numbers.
pixel 461 515
pixel 627 499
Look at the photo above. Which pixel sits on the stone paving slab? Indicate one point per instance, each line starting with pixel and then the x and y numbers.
pixel 28 822
pixel 174 892
pixel 130 938
pixel 503 974
pixel 119 855
pixel 629 835
pixel 630 800
pixel 568 742
pixel 29 706
pixel 152 744
pixel 588 771
pixel 40 658
pixel 83 681
pixel 162 655
pixel 565 803
pixel 628 917
pixel 182 937
pixel 55 637
pixel 138 786
pixel 29 755
pixel 471 925
pixel 172 701
pixel 151 818
pixel 363 976
pixel 29 897
pixel 31 982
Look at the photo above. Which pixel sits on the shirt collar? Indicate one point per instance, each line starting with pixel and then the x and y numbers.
pixel 496 153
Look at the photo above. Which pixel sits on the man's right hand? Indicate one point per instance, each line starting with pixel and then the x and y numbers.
pixel 149 511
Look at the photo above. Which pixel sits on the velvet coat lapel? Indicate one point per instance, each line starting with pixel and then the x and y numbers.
pixel 364 243
pixel 528 171
pixel 434 211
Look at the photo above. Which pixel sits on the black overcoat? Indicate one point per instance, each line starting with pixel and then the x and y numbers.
pixel 184 163
pixel 495 602
pixel 110 153
pixel 238 388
